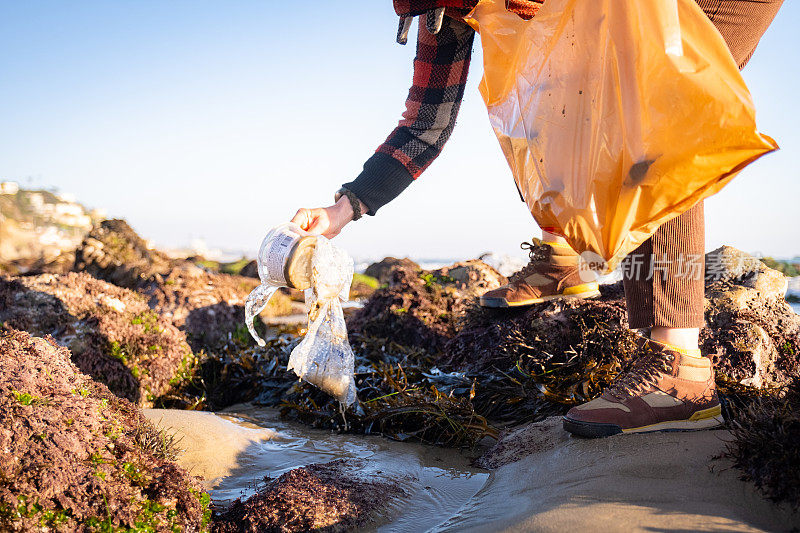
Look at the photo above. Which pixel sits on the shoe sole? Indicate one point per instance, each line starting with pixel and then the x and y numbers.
pixel 706 419
pixel 502 302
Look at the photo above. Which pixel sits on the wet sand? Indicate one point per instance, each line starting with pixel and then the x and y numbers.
pixel 648 482
pixel 210 445
pixel 543 480
pixel 437 481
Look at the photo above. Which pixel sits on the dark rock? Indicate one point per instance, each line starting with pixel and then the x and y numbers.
pixel 382 270
pixel 77 458
pixel 330 497
pixel 250 270
pixel 113 335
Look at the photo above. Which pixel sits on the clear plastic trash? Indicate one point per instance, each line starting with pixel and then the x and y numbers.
pixel 324 357
pixel 292 257
pixel 279 265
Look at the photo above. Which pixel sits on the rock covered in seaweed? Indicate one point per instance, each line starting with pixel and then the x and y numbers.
pixel 207 305
pixel 535 362
pixel 77 458
pixel 752 335
pixel 564 351
pixel 420 308
pixel 329 497
pixel 384 269
pixel 114 252
pixel 113 335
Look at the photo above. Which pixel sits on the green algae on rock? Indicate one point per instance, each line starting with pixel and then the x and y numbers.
pixel 74 456
pixel 112 333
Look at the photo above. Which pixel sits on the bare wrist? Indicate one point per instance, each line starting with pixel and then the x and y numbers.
pixel 355 207
pixel 344 209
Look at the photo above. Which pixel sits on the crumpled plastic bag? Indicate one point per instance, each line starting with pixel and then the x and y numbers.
pixel 324 357
pixel 614 115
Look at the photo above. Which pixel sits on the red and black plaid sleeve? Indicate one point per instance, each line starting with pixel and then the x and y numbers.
pixel 440 74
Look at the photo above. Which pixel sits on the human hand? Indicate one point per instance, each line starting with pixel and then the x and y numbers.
pixel 326 221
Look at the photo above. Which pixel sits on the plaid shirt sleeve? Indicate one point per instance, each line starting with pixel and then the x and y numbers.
pixel 440 75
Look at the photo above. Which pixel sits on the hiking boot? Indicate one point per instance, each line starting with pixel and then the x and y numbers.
pixel 553 272
pixel 666 389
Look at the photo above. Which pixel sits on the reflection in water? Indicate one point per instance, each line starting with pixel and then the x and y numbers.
pixel 438 481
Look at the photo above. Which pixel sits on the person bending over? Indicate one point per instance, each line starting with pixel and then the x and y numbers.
pixel 670 384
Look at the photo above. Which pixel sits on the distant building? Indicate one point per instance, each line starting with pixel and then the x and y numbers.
pixel 9 187
pixel 36 200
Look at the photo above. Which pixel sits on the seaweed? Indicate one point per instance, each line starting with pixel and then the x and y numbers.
pixel 766 443
pixel 500 368
pixel 402 396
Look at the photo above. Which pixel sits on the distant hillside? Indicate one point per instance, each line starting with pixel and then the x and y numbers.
pixel 789 268
pixel 39 225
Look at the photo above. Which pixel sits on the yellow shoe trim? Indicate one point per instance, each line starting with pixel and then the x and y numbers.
pixel 584 287
pixel 705 419
pixel 706 413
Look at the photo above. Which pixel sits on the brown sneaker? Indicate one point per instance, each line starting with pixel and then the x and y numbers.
pixel 666 389
pixel 553 272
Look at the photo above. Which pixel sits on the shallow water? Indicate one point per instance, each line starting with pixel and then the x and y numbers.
pixel 438 481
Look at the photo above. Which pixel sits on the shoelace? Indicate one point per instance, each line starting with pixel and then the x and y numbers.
pixel 537 252
pixel 643 372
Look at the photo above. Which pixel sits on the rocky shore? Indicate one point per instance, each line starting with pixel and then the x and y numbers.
pixel 75 456
pixel 123 327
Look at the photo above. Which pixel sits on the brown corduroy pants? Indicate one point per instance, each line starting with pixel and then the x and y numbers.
pixel 664 277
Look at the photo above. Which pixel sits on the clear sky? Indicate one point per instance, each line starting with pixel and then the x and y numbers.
pixel 219 119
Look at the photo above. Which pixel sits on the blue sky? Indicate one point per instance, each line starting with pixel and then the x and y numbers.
pixel 219 119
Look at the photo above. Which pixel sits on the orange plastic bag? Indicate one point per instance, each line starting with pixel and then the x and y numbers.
pixel 615 115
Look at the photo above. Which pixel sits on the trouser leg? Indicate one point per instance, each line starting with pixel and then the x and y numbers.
pixel 663 282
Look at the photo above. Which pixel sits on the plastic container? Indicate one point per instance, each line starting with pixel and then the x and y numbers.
pixel 284 259
pixel 291 257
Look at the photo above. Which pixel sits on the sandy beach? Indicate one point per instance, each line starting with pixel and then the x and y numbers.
pixel 646 482
pixel 541 479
